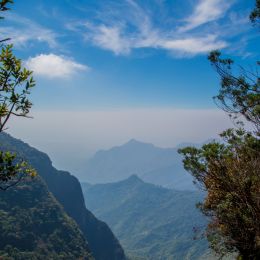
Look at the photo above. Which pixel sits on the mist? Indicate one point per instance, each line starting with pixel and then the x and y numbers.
pixel 71 137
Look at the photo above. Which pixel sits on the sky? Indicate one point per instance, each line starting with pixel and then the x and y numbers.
pixel 108 71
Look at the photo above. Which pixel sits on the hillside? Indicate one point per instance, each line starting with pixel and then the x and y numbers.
pixel 149 221
pixel 161 166
pixel 66 189
pixel 33 225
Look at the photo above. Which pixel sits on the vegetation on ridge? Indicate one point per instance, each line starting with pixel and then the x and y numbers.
pixel 150 221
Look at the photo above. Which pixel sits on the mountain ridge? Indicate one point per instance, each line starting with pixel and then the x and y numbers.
pixel 161 166
pixel 67 190
pixel 150 221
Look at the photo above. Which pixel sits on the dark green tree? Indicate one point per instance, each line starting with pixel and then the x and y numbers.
pixel 230 171
pixel 15 85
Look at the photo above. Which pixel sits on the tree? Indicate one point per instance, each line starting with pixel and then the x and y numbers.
pixel 239 94
pixel 15 85
pixel 230 171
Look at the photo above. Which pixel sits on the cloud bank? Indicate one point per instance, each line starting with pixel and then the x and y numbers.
pixel 128 26
pixel 124 26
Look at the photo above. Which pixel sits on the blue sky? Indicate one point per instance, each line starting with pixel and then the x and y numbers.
pixel 128 53
pixel 123 55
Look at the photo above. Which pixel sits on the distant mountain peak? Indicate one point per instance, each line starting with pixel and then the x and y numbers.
pixel 134 142
pixel 160 166
pixel 134 179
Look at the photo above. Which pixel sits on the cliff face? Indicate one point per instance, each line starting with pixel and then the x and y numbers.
pixel 67 191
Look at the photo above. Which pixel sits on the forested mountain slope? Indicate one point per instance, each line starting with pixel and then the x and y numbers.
pixel 33 225
pixel 66 189
pixel 150 221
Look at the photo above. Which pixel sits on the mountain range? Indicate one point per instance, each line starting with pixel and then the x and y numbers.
pixel 151 222
pixel 160 166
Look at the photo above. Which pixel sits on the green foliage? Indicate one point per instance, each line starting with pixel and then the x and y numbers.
pixel 12 170
pixel 15 85
pixel 34 226
pixel 230 171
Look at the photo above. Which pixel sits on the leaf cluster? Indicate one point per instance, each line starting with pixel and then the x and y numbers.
pixel 12 170
pixel 15 86
pixel 16 83
pixel 230 173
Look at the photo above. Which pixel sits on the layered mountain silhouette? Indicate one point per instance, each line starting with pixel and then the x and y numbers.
pixel 151 222
pixel 161 166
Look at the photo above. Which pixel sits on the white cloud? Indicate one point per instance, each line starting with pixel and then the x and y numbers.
pixel 206 11
pixel 110 38
pixel 134 28
pixel 193 45
pixel 116 40
pixel 54 66
pixel 23 31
